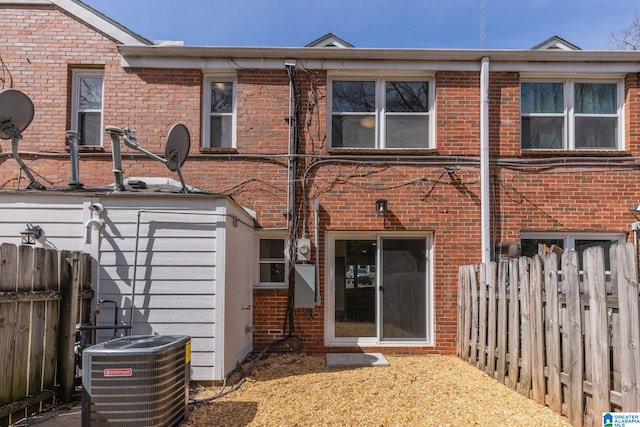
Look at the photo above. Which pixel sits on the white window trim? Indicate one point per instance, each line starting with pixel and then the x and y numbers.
pixel 570 242
pixel 329 291
pixel 380 110
pixel 76 75
pixel 570 238
pixel 569 115
pixel 271 234
pixel 206 107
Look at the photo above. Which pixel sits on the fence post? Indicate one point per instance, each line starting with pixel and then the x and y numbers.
pixel 629 321
pixel 572 333
pixel 536 284
pixel 501 364
pixel 599 354
pixel 8 283
pixel 525 327
pixel 460 313
pixel 514 324
pixel 22 349
pixel 552 331
pixel 491 323
pixel 482 318
pixel 71 273
pixel 474 314
pixel 467 313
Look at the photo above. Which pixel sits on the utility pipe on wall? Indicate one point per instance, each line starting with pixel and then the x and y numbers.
pixel 316 236
pixel 484 161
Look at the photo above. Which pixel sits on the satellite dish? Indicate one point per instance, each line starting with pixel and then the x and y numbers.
pixel 16 113
pixel 176 147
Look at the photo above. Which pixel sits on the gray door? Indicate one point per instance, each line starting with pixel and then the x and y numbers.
pixel 403 289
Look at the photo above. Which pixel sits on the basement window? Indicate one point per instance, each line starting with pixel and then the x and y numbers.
pixel 531 242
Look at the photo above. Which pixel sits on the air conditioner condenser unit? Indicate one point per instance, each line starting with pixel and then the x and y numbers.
pixel 136 381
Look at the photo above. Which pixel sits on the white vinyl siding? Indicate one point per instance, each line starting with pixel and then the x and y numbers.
pixel 191 275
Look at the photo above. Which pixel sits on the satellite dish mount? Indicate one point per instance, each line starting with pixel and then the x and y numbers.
pixel 16 113
pixel 176 149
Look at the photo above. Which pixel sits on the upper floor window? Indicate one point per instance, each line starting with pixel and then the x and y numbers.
pixel 87 105
pixel 571 115
pixel 381 113
pixel 219 111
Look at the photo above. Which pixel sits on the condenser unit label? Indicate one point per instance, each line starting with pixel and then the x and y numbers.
pixel 120 372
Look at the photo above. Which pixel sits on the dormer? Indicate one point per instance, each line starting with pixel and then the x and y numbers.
pixel 555 43
pixel 329 40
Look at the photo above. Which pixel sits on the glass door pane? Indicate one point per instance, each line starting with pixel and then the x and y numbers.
pixel 403 289
pixel 355 281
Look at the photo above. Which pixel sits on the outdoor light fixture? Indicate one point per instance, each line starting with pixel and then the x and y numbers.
pixel 381 207
pixel 31 234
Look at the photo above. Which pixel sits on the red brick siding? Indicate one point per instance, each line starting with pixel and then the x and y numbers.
pixel 458 113
pixel 504 110
pixel 632 114
pixel 422 199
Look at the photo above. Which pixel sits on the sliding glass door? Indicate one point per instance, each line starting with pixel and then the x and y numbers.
pixel 355 291
pixel 403 290
pixel 381 290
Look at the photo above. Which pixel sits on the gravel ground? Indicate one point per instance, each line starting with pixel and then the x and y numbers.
pixel 297 389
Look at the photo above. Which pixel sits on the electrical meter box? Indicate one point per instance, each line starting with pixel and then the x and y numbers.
pixel 305 282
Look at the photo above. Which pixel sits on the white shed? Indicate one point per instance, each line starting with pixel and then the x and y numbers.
pixel 172 263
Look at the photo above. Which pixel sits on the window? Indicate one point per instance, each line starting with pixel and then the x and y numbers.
pixel 580 242
pixel 381 114
pixel 272 264
pixel 219 110
pixel 87 104
pixel 571 115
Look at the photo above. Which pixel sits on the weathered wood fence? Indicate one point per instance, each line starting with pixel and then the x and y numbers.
pixel 43 295
pixel 566 338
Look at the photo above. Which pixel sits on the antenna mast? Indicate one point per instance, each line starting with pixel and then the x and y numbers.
pixel 483 12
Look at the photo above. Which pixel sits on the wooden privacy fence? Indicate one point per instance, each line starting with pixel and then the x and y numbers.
pixel 566 338
pixel 43 295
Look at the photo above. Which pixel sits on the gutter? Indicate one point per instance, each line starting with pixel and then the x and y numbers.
pixel 605 57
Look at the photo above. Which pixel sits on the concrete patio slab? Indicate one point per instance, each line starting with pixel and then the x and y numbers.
pixel 352 360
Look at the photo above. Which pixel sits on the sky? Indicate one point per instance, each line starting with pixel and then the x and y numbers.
pixel 450 24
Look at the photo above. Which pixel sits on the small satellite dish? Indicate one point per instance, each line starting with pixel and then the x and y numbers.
pixel 16 113
pixel 176 147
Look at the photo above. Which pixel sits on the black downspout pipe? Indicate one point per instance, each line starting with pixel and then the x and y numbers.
pixel 294 122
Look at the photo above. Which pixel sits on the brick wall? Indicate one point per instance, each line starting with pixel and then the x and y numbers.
pixel 423 199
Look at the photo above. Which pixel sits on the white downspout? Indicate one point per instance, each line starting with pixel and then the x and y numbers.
pixel 316 236
pixel 484 161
